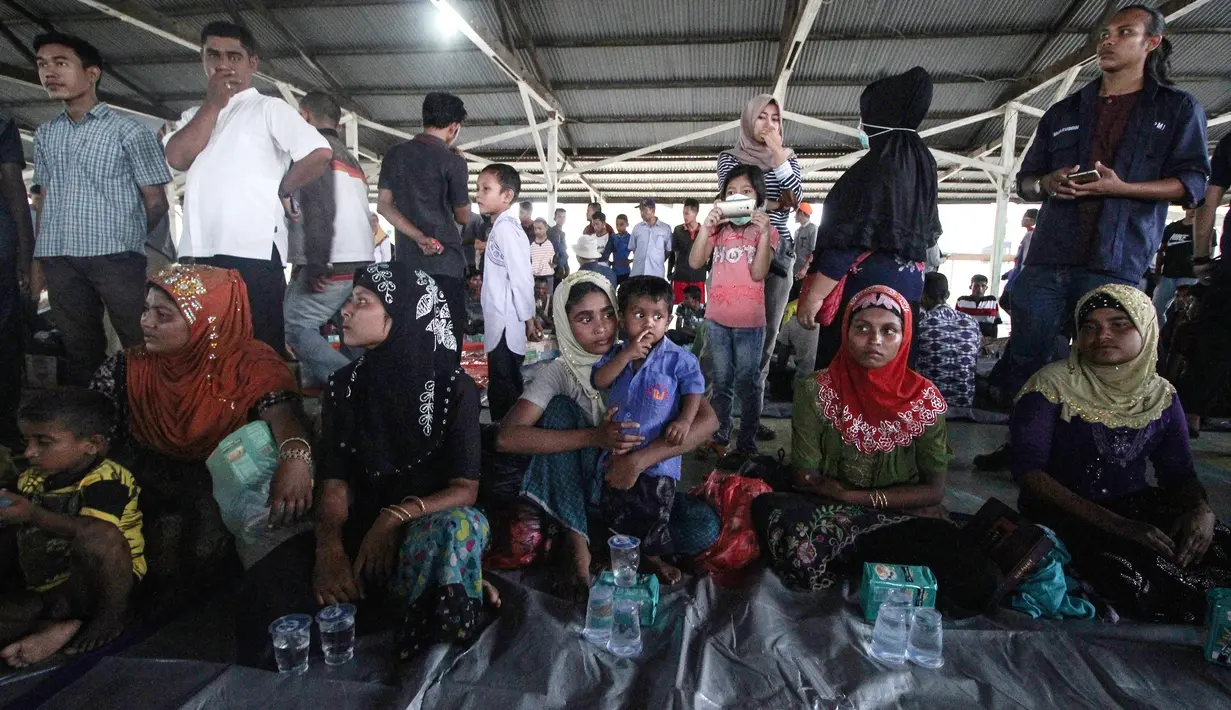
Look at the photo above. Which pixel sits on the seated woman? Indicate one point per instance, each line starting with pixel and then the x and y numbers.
pixel 562 422
pixel 1082 431
pixel 199 377
pixel 395 526
pixel 869 446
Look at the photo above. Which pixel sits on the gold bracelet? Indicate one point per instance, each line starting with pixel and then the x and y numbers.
pixel 884 499
pixel 417 499
pixel 301 454
pixel 301 440
pixel 402 516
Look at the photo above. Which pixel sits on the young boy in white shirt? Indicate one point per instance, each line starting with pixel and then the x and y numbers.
pixel 508 288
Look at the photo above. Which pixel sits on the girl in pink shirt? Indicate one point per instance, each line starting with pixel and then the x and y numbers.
pixel 741 249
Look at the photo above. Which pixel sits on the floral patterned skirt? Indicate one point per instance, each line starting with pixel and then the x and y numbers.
pixel 804 537
pixel 440 580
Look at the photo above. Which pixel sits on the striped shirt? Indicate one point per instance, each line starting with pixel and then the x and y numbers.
pixel 984 309
pixel 92 173
pixel 108 493
pixel 540 258
pixel 784 178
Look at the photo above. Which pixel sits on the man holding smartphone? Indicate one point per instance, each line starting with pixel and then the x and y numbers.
pixel 1105 163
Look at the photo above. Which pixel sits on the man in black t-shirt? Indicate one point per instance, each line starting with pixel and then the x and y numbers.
pixel 1174 264
pixel 425 195
pixel 16 248
pixel 1207 374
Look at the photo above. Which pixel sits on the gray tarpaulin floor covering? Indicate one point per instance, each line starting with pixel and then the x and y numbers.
pixel 755 646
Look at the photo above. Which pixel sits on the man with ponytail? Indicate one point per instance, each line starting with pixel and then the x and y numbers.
pixel 1132 144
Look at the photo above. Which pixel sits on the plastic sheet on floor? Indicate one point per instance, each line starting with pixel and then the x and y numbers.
pixel 757 646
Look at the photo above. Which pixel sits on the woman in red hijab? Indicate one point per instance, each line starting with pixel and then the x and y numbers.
pixel 869 445
pixel 198 377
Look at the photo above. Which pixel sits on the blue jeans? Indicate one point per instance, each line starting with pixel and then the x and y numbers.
pixel 1164 294
pixel 306 311
pixel 735 361
pixel 1044 298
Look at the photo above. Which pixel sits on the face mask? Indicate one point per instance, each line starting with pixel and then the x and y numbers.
pixel 863 135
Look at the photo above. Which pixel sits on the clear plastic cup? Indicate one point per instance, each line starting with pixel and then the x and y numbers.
pixel 291 636
pixel 625 640
pixel 625 558
pixel 926 647
pixel 337 626
pixel 891 633
pixel 599 610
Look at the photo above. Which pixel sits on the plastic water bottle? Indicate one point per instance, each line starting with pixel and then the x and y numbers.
pixel 599 612
pixel 892 631
pixel 625 640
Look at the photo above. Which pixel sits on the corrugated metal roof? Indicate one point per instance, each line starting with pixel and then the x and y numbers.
pixel 870 59
pixel 637 103
pixel 580 20
pixel 409 70
pixel 935 16
pixel 406 26
pixel 748 61
pixel 479 107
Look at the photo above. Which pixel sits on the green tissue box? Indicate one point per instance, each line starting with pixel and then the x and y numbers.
pixel 880 579
pixel 1218 618
pixel 644 591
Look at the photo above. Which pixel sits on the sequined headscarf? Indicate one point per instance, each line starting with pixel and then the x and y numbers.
pixel 1130 395
pixel 184 403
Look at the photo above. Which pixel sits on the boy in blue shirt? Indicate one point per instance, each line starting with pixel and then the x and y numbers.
pixel 656 383
pixel 618 250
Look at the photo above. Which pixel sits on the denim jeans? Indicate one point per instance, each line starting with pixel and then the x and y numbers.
pixel 306 311
pixel 1044 298
pixel 735 361
pixel 1164 294
pixel 777 293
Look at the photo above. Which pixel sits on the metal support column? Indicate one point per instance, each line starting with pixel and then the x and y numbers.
pixel 553 168
pixel 1004 187
pixel 351 121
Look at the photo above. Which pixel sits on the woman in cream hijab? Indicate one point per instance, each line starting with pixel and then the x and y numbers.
pixel 562 422
pixel 1083 431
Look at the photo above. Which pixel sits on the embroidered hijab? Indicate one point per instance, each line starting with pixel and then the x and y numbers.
pixel 184 403
pixel 1130 395
pixel 392 404
pixel 884 408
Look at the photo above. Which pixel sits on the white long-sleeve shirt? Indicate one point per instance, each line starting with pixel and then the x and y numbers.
pixel 508 284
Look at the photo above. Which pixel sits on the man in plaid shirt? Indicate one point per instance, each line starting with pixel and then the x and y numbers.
pixel 102 177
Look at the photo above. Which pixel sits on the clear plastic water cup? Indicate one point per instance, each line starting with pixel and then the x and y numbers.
pixel 891 634
pixel 625 640
pixel 926 647
pixel 599 611
pixel 291 636
pixel 625 558
pixel 337 626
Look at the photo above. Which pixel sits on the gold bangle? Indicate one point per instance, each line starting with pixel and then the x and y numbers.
pixel 396 512
pixel 293 439
pixel 884 499
pixel 419 501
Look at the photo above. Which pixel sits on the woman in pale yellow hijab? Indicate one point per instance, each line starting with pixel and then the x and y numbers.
pixel 1083 431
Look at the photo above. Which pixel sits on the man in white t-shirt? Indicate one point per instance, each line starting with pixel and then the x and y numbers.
pixel 245 155
pixel 331 239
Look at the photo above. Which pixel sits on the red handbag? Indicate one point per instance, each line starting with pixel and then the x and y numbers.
pixel 829 307
pixel 731 496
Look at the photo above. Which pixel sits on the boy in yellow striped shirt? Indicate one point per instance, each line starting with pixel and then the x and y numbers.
pixel 74 515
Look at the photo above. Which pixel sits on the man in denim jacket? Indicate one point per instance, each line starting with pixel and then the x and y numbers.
pixel 1147 141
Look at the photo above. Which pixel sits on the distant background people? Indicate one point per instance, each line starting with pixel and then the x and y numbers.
pixel 525 214
pixel 555 233
pixel 1006 294
pixel 619 249
pixel 245 154
pixel 881 217
pixel 1174 263
pixel 601 232
pixel 947 344
pixel 981 305
pixel 101 174
pixel 424 193
pixel 805 240
pixel 761 143
pixel 590 257
pixel 651 241
pixel 332 238
pixel 682 276
pixel 592 209
pixel 542 254
pixel 689 317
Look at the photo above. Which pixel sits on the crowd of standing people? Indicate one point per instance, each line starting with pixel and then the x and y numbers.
pixel 390 482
